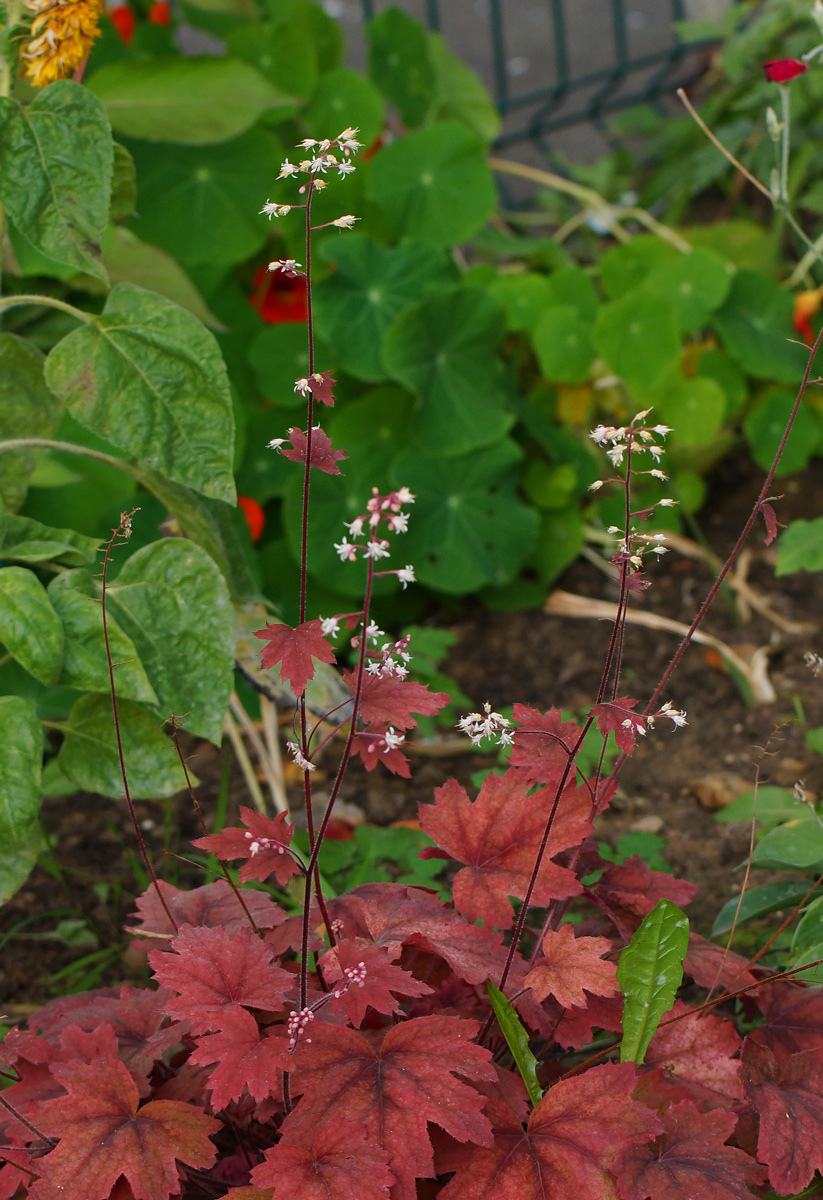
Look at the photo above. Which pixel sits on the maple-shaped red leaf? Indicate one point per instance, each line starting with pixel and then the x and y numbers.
pixel 572 1138
pixel 712 966
pixel 390 700
pixel 215 973
pixel 391 1087
pixel 789 1102
pixel 323 457
pixel 338 1164
pixel 321 384
pixel 373 751
pixel 616 716
pixel 498 837
pixel 249 1193
pixel 214 904
pixel 570 964
pixel 245 1057
pixel 295 650
pixel 262 842
pixel 382 979
pixel 103 1135
pixel 628 891
pixel 689 1159
pixel 574 1027
pixel 794 1019
pixel 701 1051
pixel 542 743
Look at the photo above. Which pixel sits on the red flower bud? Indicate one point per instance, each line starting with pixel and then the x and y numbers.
pixel 160 13
pixel 782 70
pixel 255 517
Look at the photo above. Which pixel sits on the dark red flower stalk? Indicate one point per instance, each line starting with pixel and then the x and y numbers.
pixel 279 298
pixel 783 70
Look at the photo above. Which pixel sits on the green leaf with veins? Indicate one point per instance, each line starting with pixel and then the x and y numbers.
pixel 27 409
pixel 30 629
pixel 21 756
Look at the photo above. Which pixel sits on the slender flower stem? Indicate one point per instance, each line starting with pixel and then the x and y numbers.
pixel 785 141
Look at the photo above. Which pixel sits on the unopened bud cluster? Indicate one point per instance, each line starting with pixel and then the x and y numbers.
pixel 300 1019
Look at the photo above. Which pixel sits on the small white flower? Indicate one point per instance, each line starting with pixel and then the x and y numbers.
pixel 404 496
pixel 302 386
pixel 347 552
pixel 287 169
pixel 667 503
pixel 345 168
pixel 615 455
pixel 300 760
pixel 596 486
pixel 276 443
pixel 355 527
pixel 345 222
pixel 661 429
pixel 398 522
pixel 678 716
pixel 330 626
pixel 658 474
pixel 406 575
pixel 307 143
pixel 392 739
pixel 374 631
pixel 377 548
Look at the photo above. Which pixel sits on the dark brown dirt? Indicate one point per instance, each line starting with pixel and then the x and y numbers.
pixel 536 659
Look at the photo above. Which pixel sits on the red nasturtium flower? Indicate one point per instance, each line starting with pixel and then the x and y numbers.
pixel 806 304
pixel 124 21
pixel 783 70
pixel 278 298
pixel 160 13
pixel 255 517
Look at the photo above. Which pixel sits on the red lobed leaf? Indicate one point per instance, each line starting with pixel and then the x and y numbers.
pixel 794 1019
pixel 701 1051
pixel 295 650
pixel 789 1102
pixel 373 752
pixel 390 700
pixel 498 837
pixel 571 964
pixel 245 1057
pixel 572 1138
pixel 575 1027
pixel 713 966
pixel 214 905
pixel 628 891
pixel 616 716
pixel 103 1135
pixel 323 457
pixel 542 743
pixel 690 1158
pixel 338 1164
pixel 260 843
pixel 215 973
pixel 321 385
pixel 382 979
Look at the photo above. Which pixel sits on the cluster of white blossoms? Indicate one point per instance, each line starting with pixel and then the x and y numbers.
pixel 330 154
pixel 379 509
pixel 480 726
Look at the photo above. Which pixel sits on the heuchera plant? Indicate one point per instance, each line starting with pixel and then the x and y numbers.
pixel 383 1037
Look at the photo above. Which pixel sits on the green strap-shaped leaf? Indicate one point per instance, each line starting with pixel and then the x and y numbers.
pixel 649 974
pixel 21 754
pixel 88 756
pixel 29 627
pixel 76 599
pixel 55 173
pixel 172 601
pixel 27 409
pixel 150 379
pixel 518 1042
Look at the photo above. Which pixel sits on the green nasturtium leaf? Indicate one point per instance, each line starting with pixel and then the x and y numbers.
pixel 344 98
pixel 283 52
pixel 716 365
pixel 517 1040
pixel 30 629
pixel 524 297
pixel 202 203
pixel 637 335
pixel 563 344
pixel 27 409
pixel 55 173
pixel 796 845
pixel 172 601
pixel 172 407
pixel 444 349
pixel 459 94
pixel 279 356
pixel 89 758
pixel 764 428
pixel 755 326
pixel 400 65
pixel 649 974
pixel 696 284
pixel 194 101
pixel 23 539
pixel 371 286
pixel 695 409
pixel 128 260
pixel 623 268
pixel 800 548
pixel 573 287
pixel 468 527
pixel 75 596
pixel 21 756
pixel 560 540
pixel 434 184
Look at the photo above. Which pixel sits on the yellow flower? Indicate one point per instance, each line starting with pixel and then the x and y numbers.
pixel 62 35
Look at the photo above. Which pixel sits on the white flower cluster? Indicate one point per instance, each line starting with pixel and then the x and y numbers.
pixel 488 724
pixel 676 715
pixel 392 661
pixel 378 509
pixel 328 154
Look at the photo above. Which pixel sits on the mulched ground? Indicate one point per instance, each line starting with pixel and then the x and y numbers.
pixel 668 787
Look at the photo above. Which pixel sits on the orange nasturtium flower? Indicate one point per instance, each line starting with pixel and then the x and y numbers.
pixel 62 33
pixel 806 304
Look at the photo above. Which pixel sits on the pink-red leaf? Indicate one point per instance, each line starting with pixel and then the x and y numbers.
pixel 571 964
pixel 103 1135
pixel 542 744
pixel 321 386
pixel 214 904
pixel 382 979
pixel 498 837
pixel 789 1103
pixel 295 650
pixel 702 1051
pixel 262 843
pixel 392 1088
pixel 336 1165
pixel 215 973
pixel 323 457
pixel 616 716
pixel 689 1159
pixel 794 1019
pixel 390 700
pixel 628 891
pixel 245 1057
pixel 714 967
pixel 572 1138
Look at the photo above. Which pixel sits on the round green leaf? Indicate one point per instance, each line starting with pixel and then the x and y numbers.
pixel 357 302
pixel 278 356
pixel 128 260
pixel 563 345
pixel 434 184
pixel 560 539
pixel 637 335
pixel 766 424
pixel 27 409
pixel 573 287
pixel 173 407
pixel 459 94
pixel 623 268
pixel 202 204
pixel 695 409
pixel 21 756
pixel 343 98
pixel 696 284
pixel 75 596
pixel 195 101
pixel 172 601
pixel 800 548
pixel 649 974
pixel 444 350
pixel 55 173
pixel 716 365
pixel 400 65
pixel 523 297
pixel 89 758
pixel 467 528
pixel 283 52
pixel 30 629
pixel 755 325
